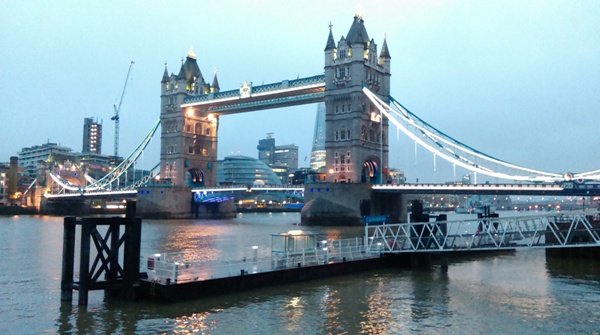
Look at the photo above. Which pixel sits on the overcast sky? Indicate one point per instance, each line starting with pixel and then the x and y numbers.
pixel 519 80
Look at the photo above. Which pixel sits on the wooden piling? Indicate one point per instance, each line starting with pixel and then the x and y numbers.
pixel 68 259
pixel 84 262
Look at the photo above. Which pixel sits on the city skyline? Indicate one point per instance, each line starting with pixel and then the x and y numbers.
pixel 516 80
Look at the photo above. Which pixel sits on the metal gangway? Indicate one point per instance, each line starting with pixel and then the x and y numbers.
pixel 555 230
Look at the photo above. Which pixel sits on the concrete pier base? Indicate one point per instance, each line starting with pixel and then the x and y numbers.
pixel 337 204
pixel 164 202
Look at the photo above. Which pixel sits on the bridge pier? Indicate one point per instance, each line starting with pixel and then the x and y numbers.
pixel 168 202
pixel 338 204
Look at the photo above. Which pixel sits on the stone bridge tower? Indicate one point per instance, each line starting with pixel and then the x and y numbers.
pixel 356 140
pixel 188 138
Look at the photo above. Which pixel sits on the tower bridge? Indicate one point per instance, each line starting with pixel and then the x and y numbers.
pixel 355 87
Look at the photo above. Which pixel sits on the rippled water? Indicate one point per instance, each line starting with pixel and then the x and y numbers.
pixel 521 293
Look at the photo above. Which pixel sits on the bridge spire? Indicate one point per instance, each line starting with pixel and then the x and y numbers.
pixel 357 32
pixel 214 87
pixel 165 77
pixel 385 52
pixel 330 42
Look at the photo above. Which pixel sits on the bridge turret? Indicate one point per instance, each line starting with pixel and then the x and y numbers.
pixel 356 138
pixel 188 135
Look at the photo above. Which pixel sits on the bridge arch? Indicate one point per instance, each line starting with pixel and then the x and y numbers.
pixel 194 178
pixel 371 170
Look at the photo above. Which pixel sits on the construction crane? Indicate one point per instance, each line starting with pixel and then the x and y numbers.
pixel 117 109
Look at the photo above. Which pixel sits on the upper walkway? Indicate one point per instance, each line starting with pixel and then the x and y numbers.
pixel 252 98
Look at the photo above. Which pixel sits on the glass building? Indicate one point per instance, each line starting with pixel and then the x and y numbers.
pixel 317 156
pixel 244 170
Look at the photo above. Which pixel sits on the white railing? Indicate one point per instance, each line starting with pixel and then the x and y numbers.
pixel 567 229
pixel 182 267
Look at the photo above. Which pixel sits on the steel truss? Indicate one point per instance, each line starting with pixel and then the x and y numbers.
pixel 111 180
pixel 558 230
pixel 460 154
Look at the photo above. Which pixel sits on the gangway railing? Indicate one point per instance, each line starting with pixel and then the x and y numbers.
pixel 181 267
pixel 557 230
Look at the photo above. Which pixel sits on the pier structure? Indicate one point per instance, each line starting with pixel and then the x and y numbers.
pixel 300 255
pixel 114 238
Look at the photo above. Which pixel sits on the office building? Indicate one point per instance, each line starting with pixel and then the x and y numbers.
pixel 30 156
pixel 283 159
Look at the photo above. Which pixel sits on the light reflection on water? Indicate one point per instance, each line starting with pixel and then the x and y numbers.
pixel 521 293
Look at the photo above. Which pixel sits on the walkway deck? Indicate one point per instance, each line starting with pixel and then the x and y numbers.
pixel 177 276
pixel 171 268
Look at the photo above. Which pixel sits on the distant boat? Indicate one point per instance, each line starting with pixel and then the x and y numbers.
pixel 474 209
pixel 462 210
pixel 476 204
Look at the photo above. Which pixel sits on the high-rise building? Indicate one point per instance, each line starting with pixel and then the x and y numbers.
pixel 266 149
pixel 92 136
pixel 317 155
pixel 286 156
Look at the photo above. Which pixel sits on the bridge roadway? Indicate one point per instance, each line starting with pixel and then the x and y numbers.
pixel 556 189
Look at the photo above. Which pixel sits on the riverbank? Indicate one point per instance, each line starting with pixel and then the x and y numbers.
pixel 16 210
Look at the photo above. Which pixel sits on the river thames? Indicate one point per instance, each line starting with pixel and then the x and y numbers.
pixel 518 293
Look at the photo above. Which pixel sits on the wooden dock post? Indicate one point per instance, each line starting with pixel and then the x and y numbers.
pixel 104 272
pixel 68 259
pixel 84 261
